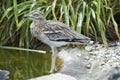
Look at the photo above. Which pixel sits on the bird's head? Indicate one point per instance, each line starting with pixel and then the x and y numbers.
pixel 35 15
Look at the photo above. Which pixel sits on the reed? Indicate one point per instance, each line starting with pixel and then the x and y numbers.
pixel 92 18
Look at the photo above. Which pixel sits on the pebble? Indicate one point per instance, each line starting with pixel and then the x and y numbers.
pixel 109 57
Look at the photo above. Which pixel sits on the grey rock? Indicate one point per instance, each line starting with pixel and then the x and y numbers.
pixel 4 74
pixel 57 76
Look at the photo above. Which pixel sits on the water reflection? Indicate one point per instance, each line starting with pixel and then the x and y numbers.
pixel 23 65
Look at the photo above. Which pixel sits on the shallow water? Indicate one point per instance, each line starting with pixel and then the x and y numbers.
pixel 24 65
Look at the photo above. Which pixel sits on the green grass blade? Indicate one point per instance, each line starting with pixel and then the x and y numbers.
pixel 53 9
pixel 23 49
pixel 15 11
pixel 66 12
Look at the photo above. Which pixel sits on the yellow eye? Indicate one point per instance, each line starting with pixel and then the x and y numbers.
pixel 36 15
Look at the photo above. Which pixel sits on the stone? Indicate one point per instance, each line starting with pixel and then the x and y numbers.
pixel 4 74
pixel 57 76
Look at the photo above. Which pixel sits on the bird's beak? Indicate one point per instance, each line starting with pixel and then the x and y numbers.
pixel 26 16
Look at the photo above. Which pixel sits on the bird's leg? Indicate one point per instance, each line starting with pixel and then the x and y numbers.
pixel 54 55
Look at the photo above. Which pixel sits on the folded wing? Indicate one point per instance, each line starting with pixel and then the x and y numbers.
pixel 57 31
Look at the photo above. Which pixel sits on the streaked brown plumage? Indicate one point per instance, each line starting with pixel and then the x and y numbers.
pixel 53 33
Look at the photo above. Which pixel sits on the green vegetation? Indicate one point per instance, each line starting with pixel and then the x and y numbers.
pixel 24 65
pixel 94 18
pixel 98 19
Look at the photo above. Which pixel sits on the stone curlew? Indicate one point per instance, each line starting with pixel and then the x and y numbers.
pixel 54 33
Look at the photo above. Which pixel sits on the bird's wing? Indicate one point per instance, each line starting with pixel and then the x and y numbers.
pixel 57 31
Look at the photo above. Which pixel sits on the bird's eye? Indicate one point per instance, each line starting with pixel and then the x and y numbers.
pixel 36 15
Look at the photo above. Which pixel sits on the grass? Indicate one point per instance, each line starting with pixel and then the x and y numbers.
pixel 22 49
pixel 93 18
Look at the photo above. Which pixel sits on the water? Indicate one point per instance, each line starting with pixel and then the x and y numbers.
pixel 24 65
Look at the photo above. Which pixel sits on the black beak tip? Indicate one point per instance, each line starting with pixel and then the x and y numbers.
pixel 25 16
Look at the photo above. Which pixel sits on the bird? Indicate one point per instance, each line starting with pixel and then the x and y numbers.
pixel 54 33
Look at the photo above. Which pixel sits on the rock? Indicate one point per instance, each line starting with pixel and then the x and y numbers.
pixel 114 73
pixel 72 65
pixel 57 76
pixel 108 74
pixel 94 63
pixel 4 74
pixel 99 63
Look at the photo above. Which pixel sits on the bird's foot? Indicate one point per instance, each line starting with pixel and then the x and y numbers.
pixel 53 70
